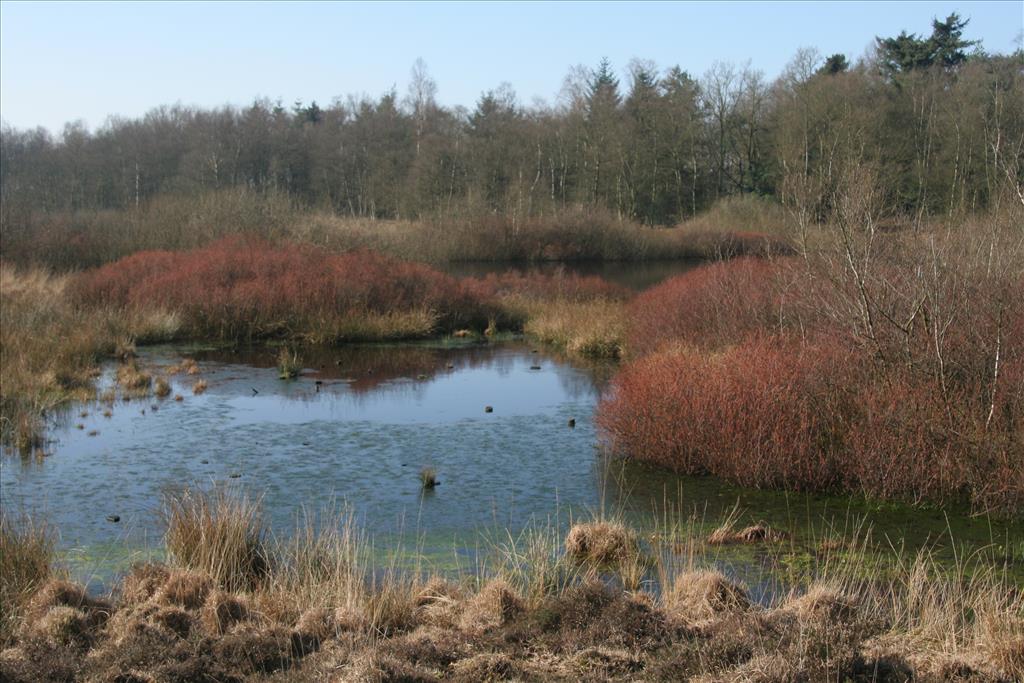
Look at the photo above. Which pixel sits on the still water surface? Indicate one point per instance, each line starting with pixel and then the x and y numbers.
pixel 357 427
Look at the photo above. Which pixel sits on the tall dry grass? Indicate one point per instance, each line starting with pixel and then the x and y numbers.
pixel 545 607
pixel 51 347
pixel 27 553
pixel 592 328
pixel 217 534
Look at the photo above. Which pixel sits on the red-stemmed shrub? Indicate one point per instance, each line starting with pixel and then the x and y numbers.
pixel 767 412
pixel 708 307
pixel 243 287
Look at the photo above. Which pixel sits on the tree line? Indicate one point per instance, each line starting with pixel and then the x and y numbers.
pixel 937 122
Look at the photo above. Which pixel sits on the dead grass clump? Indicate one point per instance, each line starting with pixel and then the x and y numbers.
pixel 314 626
pixel 487 667
pixel 218 534
pixel 59 593
pixel 704 594
pixel 223 610
pixel 174 619
pixel 593 613
pixel 765 668
pixel 161 387
pixel 1007 654
pixel 26 555
pixel 374 667
pixel 133 380
pixel 199 387
pixel 438 602
pixel 289 365
pixel 186 589
pixel 825 604
pixel 429 646
pixel 349 620
pixel 496 604
pixel 143 582
pixel 428 478
pixel 62 625
pixel 755 533
pixel 604 663
pixel 602 542
pixel 249 648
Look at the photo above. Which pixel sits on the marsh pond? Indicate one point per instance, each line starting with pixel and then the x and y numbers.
pixel 508 428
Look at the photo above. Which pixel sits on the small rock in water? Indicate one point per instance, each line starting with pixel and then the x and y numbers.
pixel 488 409
pixel 93 433
pixel 204 462
pixel 234 475
pixel 572 422
pixel 535 367
pixel 305 443
pixel 113 518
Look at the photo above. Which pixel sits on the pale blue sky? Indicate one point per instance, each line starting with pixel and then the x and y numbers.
pixel 60 62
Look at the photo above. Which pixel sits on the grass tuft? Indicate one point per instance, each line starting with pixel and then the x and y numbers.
pixel 26 561
pixel 217 534
pixel 428 478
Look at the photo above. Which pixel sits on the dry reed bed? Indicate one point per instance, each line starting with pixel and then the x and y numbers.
pixel 51 348
pixel 236 604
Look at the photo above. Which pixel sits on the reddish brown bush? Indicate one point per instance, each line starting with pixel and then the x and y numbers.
pixel 767 412
pixel 239 287
pixel 819 415
pixel 709 307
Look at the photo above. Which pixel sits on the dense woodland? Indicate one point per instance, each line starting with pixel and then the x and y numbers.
pixel 935 118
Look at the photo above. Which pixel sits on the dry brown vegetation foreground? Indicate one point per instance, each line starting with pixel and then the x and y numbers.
pixel 233 605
